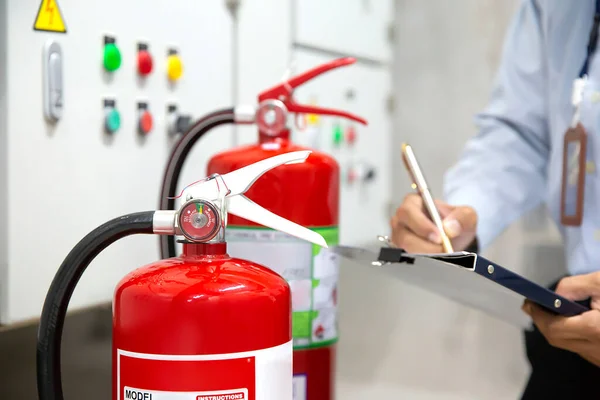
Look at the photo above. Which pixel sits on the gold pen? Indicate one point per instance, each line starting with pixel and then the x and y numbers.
pixel 420 184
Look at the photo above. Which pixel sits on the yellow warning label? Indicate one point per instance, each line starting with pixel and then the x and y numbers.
pixel 49 18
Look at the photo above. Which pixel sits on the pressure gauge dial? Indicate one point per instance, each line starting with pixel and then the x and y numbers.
pixel 199 220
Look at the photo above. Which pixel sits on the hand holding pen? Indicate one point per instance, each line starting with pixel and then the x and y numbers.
pixel 424 225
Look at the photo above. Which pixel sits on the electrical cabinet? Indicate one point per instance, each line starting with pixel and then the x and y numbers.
pixel 355 27
pixel 90 95
pixel 105 154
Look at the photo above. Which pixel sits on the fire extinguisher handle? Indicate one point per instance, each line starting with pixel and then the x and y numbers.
pixel 239 181
pixel 284 91
pixel 247 209
pixel 286 88
pixel 304 109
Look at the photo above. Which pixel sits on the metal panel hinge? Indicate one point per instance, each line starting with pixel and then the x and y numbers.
pixel 391 103
pixel 391 32
pixel 233 6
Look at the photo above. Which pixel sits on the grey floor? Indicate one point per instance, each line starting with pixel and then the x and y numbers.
pixel 86 358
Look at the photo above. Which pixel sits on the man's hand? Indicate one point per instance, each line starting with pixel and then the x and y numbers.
pixel 579 334
pixel 413 231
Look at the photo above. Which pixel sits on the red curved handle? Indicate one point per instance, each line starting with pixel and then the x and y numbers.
pixel 298 108
pixel 283 91
pixel 321 69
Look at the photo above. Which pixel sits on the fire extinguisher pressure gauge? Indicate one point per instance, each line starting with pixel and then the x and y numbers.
pixel 199 220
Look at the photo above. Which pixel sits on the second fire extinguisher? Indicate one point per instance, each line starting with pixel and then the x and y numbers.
pixel 307 194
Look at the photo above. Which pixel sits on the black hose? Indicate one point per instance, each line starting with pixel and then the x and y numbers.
pixel 49 379
pixel 175 165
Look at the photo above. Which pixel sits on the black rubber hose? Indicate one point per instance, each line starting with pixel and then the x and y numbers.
pixel 49 379
pixel 177 159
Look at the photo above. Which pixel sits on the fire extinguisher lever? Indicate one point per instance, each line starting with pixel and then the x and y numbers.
pixel 220 194
pixel 275 103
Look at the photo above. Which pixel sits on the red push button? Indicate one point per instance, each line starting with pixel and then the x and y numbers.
pixel 144 62
pixel 351 135
pixel 352 175
pixel 145 122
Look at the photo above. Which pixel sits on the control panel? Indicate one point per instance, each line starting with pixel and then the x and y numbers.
pixel 94 97
pixel 360 28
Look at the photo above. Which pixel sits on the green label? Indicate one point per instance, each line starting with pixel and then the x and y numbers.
pixel 310 270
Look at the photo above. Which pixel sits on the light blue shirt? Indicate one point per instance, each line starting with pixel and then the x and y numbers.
pixel 514 163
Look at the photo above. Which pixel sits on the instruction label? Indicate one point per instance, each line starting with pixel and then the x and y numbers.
pixel 141 394
pixel 310 270
pixel 156 377
pixel 49 18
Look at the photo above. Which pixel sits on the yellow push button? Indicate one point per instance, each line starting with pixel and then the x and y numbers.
pixel 312 119
pixel 174 67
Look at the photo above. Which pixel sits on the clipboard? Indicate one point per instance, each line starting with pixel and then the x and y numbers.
pixel 466 278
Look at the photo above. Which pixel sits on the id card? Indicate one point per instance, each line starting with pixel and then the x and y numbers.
pixel 573 176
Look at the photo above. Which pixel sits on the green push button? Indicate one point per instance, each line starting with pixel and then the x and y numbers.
pixel 338 135
pixel 112 121
pixel 112 57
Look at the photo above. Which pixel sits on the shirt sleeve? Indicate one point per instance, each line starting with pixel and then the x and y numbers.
pixel 501 172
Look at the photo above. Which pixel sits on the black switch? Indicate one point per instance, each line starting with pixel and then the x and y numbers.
pixel 370 174
pixel 183 123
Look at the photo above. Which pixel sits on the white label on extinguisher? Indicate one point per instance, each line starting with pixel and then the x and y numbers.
pixel 255 375
pixel 142 394
pixel 299 387
pixel 310 270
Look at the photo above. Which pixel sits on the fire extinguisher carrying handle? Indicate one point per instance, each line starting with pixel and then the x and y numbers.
pixel 237 182
pixel 49 380
pixel 284 91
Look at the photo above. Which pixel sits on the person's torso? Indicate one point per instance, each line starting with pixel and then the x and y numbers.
pixel 566 26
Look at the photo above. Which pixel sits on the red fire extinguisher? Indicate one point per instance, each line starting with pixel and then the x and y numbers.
pixel 201 326
pixel 307 194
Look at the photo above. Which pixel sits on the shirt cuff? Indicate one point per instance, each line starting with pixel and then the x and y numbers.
pixel 489 225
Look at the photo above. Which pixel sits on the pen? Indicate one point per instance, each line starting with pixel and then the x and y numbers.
pixel 420 184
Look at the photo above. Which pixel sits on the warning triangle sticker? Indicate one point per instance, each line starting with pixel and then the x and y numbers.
pixel 49 18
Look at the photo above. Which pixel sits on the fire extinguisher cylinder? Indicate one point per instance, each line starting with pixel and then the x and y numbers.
pixel 203 324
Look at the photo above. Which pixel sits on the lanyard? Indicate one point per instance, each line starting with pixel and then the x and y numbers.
pixel 579 83
pixel 575 143
pixel 593 41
